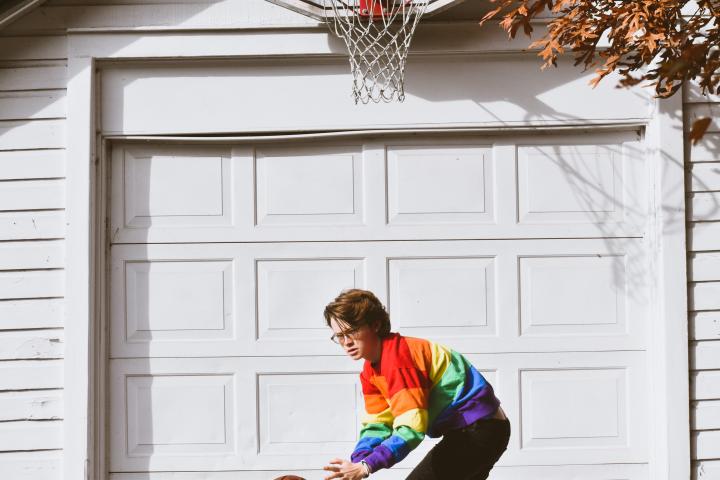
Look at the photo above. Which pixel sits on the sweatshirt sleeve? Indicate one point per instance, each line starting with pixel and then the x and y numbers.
pixel 409 392
pixel 376 422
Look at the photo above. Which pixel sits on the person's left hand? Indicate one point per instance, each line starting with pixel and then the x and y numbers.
pixel 344 470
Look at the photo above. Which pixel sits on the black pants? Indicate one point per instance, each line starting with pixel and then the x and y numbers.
pixel 468 453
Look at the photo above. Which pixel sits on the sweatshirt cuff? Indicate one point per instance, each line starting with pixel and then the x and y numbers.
pixel 358 455
pixel 381 457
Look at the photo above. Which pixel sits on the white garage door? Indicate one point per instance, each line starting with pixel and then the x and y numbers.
pixel 527 253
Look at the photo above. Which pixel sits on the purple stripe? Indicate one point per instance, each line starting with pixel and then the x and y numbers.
pixel 483 404
pixel 381 457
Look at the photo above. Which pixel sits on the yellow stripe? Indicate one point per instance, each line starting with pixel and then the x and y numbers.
pixel 385 417
pixel 417 419
pixel 440 362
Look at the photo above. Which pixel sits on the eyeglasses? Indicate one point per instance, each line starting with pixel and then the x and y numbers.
pixel 340 338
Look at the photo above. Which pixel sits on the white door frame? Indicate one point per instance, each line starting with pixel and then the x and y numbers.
pixel 85 355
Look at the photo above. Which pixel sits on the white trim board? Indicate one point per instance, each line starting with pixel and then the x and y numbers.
pixel 84 413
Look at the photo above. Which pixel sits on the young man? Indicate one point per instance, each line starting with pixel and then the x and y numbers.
pixel 414 387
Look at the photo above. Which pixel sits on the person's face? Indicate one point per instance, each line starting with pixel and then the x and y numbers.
pixel 361 343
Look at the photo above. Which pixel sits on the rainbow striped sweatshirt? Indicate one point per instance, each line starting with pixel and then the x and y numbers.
pixel 417 388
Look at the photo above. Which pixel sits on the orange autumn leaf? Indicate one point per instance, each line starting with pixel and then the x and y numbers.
pixel 699 127
pixel 661 43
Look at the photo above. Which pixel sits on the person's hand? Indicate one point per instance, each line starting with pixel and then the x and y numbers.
pixel 344 470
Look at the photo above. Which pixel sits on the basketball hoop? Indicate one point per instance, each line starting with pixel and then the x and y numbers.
pixel 377 34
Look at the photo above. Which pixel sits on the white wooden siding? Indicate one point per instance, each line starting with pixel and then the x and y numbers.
pixel 32 201
pixel 703 224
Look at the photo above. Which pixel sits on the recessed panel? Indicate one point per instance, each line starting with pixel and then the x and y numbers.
pixel 157 183
pixel 442 295
pixel 570 184
pixel 573 408
pixel 309 413
pixel 573 294
pixel 292 294
pixel 435 184
pixel 309 185
pixel 176 414
pixel 178 300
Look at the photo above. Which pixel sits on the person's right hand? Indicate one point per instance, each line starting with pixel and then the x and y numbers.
pixel 345 470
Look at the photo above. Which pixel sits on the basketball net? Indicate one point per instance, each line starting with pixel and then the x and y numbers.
pixel 377 34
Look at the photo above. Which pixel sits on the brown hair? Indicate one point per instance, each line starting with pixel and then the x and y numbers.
pixel 356 307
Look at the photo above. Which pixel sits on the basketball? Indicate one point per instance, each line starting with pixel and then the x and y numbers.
pixel 289 477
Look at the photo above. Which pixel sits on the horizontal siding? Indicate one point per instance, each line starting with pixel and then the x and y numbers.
pixel 708 470
pixel 704 207
pixel 703 236
pixel 39 47
pixel 706 444
pixel 32 134
pixel 707 414
pixel 33 75
pixel 32 255
pixel 32 104
pixel 55 17
pixel 704 266
pixel 32 225
pixel 32 284
pixel 703 227
pixel 33 90
pixel 704 354
pixel 31 344
pixel 40 465
pixel 32 405
pixel 32 313
pixel 32 164
pixel 30 375
pixel 705 325
pixel 705 177
pixel 17 195
pixel 30 435
pixel 704 296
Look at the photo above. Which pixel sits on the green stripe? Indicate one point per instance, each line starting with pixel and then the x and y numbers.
pixel 448 388
pixel 411 437
pixel 375 430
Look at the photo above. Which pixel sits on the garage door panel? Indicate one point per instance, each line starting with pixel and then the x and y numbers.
pixel 297 412
pixel 292 292
pixel 167 187
pixel 267 299
pixel 172 304
pixel 499 472
pixel 454 295
pixel 309 185
pixel 579 184
pixel 179 300
pixel 567 408
pixel 180 414
pixel 579 294
pixel 436 184
pixel 251 414
pixel 450 188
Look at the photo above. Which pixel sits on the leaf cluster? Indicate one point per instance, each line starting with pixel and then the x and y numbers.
pixel 664 43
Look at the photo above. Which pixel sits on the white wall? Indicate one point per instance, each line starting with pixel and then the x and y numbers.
pixel 32 225
pixel 703 217
pixel 32 199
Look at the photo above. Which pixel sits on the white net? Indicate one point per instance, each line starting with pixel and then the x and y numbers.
pixel 377 34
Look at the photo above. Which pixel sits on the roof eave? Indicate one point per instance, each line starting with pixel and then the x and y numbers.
pixel 11 11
